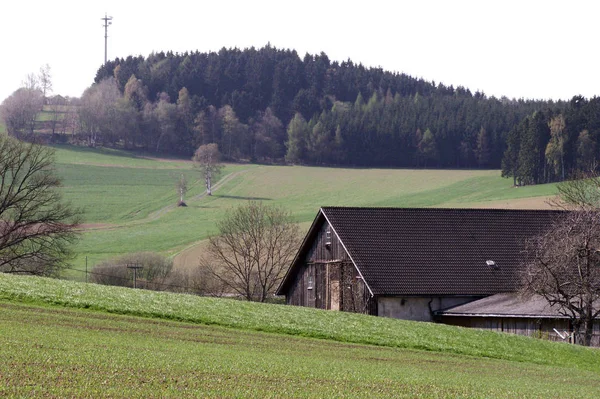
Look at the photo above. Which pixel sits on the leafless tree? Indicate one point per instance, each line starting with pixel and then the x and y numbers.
pixel 45 81
pixel 207 160
pixel 31 82
pixel 254 248
pixel 166 116
pixel 36 227
pixel 20 110
pixel 154 274
pixel 181 189
pixel 97 108
pixel 564 267
pixel 581 191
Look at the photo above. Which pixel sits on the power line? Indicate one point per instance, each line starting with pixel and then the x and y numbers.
pixel 187 288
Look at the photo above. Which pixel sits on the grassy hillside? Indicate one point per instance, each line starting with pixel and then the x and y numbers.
pixel 227 348
pixel 130 200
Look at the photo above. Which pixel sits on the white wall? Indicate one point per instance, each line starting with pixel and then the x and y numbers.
pixel 416 308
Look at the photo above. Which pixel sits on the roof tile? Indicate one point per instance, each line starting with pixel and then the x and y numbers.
pixel 425 251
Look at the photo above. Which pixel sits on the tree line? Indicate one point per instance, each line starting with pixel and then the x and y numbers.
pixel 271 105
pixel 551 145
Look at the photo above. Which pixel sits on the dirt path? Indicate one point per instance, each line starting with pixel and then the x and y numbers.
pixel 159 213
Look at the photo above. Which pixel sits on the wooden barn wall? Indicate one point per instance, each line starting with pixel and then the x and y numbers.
pixel 327 279
pixel 355 296
pixel 320 251
pixel 539 328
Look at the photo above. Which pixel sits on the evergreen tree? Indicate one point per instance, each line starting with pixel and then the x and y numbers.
pixel 483 148
pixel 510 162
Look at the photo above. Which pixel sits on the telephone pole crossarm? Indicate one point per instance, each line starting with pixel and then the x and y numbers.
pixel 107 22
pixel 135 267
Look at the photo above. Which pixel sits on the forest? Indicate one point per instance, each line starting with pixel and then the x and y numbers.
pixel 270 105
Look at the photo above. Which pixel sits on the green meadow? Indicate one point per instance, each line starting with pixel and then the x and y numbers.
pixel 129 200
pixel 70 339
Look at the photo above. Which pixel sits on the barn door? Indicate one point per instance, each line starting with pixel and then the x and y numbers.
pixel 333 273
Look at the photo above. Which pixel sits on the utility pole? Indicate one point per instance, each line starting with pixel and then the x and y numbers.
pixel 135 267
pixel 107 22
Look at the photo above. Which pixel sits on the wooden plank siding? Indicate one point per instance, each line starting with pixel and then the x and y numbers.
pixel 327 278
pixel 538 328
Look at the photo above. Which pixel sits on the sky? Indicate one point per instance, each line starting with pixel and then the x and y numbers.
pixel 518 49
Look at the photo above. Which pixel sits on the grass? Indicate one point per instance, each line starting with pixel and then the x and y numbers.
pixel 207 347
pixel 338 326
pixel 133 196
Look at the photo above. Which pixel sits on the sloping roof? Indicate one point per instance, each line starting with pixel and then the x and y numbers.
pixel 427 251
pixel 505 305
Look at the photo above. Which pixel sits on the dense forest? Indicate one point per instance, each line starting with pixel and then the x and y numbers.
pixel 271 105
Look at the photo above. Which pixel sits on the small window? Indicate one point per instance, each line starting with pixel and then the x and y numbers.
pixel 310 283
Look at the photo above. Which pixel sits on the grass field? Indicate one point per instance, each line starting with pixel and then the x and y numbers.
pixel 130 199
pixel 226 348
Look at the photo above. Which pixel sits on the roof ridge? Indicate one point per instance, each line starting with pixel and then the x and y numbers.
pixel 442 209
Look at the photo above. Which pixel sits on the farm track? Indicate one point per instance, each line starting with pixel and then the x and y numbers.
pixel 159 213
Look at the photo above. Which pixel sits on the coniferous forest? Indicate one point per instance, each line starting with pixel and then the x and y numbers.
pixel 272 105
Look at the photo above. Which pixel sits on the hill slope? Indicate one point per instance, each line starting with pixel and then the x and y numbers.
pixel 50 350
pixel 130 200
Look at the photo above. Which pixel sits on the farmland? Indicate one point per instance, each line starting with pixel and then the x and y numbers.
pixel 58 340
pixel 130 200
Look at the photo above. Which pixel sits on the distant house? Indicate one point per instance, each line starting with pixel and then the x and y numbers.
pixel 416 264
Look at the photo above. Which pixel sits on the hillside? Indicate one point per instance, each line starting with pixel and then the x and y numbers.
pixel 130 200
pixel 192 346
pixel 270 104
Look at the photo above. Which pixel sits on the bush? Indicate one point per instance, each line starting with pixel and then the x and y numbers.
pixel 155 272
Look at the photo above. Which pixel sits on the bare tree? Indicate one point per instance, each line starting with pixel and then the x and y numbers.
pixel 97 108
pixel 31 82
pixel 207 159
pixel 154 274
pixel 564 268
pixel 20 109
pixel 166 116
pixel 254 248
pixel 181 189
pixel 581 191
pixel 36 226
pixel 45 81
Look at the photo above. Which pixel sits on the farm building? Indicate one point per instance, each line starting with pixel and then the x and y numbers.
pixel 508 312
pixel 414 264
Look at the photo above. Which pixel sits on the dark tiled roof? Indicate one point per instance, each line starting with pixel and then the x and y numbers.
pixel 403 251
pixel 505 305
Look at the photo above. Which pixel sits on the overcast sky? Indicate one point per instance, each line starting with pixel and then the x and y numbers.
pixel 527 48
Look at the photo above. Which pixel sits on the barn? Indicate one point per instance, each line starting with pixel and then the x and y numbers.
pixel 409 263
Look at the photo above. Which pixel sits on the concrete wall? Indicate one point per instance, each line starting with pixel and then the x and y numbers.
pixel 416 308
